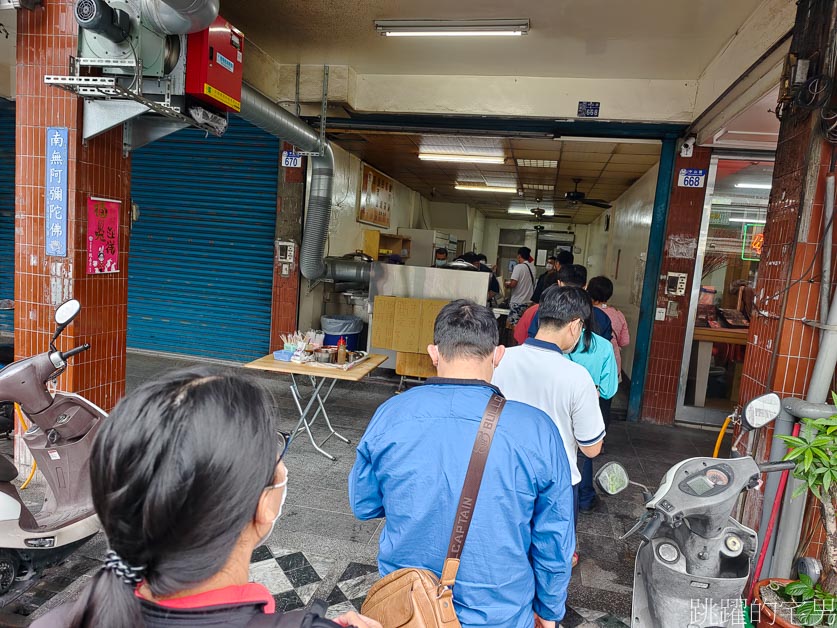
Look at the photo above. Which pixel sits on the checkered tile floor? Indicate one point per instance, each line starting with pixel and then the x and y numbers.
pixel 294 579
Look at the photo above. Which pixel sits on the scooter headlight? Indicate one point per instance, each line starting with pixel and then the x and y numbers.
pixel 668 553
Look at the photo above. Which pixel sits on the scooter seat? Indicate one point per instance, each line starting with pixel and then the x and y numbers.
pixel 8 470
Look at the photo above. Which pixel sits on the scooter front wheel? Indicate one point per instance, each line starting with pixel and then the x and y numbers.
pixel 8 570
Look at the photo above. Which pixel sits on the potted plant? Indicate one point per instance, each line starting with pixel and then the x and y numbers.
pixel 789 603
pixel 800 601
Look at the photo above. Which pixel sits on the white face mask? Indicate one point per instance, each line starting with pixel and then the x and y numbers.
pixel 550 266
pixel 282 485
pixel 441 262
pixel 577 340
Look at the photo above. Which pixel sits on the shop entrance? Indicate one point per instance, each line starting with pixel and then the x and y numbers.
pixel 721 307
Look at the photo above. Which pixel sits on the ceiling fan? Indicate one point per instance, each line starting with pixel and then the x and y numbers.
pixel 575 197
pixel 540 214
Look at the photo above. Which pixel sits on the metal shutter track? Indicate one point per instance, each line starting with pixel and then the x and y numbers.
pixel 201 258
pixel 7 211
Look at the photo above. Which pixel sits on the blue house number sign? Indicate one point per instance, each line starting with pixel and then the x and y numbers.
pixel 691 178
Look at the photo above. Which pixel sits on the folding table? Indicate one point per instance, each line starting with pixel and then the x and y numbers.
pixel 317 375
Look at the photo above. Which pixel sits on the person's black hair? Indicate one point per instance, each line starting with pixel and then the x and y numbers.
pixel 564 257
pixel 551 258
pixel 482 257
pixel 600 289
pixel 525 252
pixel 471 257
pixel 441 251
pixel 573 275
pixel 176 473
pixel 464 329
pixel 561 305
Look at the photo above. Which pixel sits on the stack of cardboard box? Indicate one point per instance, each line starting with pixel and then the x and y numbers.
pixel 405 325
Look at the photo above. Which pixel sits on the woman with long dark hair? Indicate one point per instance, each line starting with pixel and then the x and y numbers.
pixel 187 478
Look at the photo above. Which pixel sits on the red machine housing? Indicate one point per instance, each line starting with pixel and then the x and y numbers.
pixel 215 65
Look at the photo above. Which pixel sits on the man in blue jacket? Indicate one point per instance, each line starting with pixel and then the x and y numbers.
pixel 410 468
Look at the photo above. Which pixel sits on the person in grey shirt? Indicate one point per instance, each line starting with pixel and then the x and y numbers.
pixel 522 284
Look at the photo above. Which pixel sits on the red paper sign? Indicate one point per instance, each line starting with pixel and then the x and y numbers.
pixel 102 236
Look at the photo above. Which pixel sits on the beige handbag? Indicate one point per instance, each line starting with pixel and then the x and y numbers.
pixel 416 598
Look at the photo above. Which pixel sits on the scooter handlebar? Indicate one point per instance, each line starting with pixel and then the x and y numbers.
pixel 76 351
pixel 780 465
pixel 652 527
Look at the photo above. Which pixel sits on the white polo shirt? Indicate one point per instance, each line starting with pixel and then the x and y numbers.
pixel 538 374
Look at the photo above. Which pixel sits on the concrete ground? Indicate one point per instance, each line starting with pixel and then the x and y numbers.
pixel 319 550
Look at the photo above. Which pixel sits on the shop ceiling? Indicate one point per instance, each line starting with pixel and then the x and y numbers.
pixel 650 39
pixel 537 172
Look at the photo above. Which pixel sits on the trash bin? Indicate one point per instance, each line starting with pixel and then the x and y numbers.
pixel 336 326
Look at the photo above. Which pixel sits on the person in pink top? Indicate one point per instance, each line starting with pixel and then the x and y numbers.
pixel 600 290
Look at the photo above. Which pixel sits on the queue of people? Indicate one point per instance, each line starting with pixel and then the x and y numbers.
pixel 183 506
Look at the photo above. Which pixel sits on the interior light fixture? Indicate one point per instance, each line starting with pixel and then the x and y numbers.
pixel 754 186
pixel 471 159
pixel 755 221
pixel 452 28
pixel 526 212
pixel 469 187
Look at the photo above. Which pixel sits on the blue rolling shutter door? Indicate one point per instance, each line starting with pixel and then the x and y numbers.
pixel 7 211
pixel 200 272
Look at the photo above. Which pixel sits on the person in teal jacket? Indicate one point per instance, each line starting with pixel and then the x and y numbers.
pixel 596 355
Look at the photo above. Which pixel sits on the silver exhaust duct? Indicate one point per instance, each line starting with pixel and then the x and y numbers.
pixel 180 17
pixel 272 118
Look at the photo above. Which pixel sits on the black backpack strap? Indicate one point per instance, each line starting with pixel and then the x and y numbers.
pixel 311 617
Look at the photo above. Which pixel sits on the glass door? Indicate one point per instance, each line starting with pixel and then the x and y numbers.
pixel 726 268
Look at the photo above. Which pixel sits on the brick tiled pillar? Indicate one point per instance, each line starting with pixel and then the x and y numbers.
pixel 45 41
pixel 289 213
pixel 782 349
pixel 659 399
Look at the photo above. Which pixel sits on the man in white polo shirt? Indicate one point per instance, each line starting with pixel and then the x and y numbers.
pixel 537 373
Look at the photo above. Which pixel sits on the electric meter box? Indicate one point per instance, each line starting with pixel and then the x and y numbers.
pixel 214 65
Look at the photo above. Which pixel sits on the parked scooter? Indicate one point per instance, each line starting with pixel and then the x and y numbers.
pixel 61 431
pixel 695 559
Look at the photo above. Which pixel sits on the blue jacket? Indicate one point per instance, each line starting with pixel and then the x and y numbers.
pixel 410 468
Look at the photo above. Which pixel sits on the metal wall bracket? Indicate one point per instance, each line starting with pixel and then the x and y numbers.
pixel 103 115
pixel 146 129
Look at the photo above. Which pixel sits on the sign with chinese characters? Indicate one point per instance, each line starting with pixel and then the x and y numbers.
pixel 752 242
pixel 588 109
pixel 376 195
pixel 55 196
pixel 102 236
pixel 691 178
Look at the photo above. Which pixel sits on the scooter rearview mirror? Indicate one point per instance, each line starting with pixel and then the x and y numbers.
pixel 612 478
pixel 760 411
pixel 64 315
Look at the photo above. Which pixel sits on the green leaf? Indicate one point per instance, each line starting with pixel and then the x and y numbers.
pixel 834 397
pixel 800 490
pixel 806 580
pixel 792 440
pixel 796 453
pixel 809 458
pixel 797 589
pixel 826 481
pixel 832 620
pixel 809 613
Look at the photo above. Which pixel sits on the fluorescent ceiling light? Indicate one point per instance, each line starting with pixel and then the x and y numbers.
pixel 537 163
pixel 521 211
pixel 470 187
pixel 754 186
pixel 472 159
pixel 452 28
pixel 755 221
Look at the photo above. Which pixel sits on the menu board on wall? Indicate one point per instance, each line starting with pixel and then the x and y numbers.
pixel 376 196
